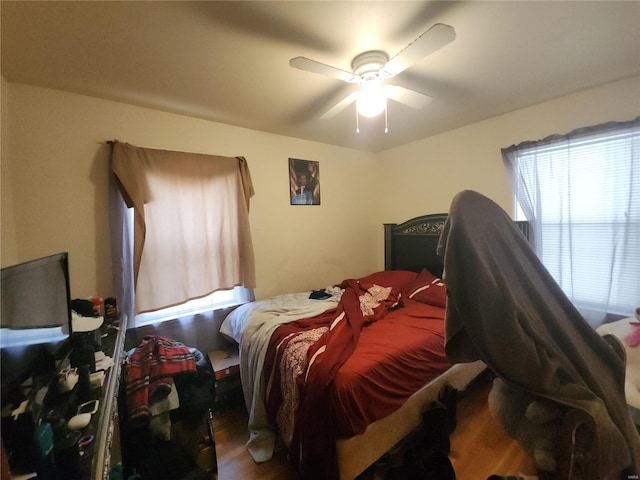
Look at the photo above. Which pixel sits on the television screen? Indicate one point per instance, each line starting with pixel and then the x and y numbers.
pixel 35 316
pixel 35 324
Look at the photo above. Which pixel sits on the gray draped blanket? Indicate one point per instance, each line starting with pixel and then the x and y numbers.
pixel 505 309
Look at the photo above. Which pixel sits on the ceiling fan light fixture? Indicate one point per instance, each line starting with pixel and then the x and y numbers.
pixel 372 99
pixel 371 68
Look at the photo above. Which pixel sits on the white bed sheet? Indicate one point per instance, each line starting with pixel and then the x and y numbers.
pixel 251 325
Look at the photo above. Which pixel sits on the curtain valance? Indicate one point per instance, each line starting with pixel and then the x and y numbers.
pixel 573 135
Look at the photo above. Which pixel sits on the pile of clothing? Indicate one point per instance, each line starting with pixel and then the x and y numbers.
pixel 168 390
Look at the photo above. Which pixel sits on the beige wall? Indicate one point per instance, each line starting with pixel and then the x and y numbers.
pixel 57 170
pixel 422 177
pixel 55 164
pixel 469 157
pixel 8 252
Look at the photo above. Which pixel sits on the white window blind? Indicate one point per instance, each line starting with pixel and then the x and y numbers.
pixel 582 194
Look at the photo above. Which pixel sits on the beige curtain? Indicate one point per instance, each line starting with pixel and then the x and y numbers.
pixel 191 223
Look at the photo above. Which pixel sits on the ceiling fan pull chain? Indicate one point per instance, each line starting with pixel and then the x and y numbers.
pixel 386 124
pixel 357 121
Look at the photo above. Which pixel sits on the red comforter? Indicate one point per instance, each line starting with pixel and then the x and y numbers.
pixel 334 374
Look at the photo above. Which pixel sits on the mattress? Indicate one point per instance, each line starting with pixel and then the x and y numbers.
pixel 393 356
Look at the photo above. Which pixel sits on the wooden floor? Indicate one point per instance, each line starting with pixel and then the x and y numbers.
pixel 479 445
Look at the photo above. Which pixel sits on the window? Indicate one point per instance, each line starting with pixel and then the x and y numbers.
pixel 581 193
pixel 219 299
pixel 185 234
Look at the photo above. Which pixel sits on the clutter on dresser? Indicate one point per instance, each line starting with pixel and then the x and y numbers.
pixel 60 372
pixel 68 428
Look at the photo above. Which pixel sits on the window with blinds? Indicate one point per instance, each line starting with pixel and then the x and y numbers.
pixel 584 192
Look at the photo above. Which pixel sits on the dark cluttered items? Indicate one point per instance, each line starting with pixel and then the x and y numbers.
pixel 53 360
pixel 167 431
pixel 424 454
pixel 427 454
pixel 64 431
pixel 319 295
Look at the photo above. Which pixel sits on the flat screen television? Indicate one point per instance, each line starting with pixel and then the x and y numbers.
pixel 35 317
pixel 35 325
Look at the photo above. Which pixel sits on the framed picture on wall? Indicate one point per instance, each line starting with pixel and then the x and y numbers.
pixel 304 182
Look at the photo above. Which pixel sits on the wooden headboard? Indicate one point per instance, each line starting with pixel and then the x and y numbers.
pixel 412 245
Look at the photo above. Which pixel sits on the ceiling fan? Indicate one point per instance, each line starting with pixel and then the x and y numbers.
pixel 372 68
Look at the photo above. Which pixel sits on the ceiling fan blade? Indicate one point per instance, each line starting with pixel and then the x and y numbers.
pixel 341 105
pixel 433 39
pixel 408 97
pixel 312 66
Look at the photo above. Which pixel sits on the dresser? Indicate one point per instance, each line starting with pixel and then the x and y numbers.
pixel 106 450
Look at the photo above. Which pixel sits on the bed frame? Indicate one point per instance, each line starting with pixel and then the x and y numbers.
pixel 408 246
pixel 412 245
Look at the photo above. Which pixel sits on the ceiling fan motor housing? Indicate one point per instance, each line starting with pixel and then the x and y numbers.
pixel 368 64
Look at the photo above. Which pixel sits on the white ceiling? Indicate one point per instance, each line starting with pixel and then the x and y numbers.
pixel 229 61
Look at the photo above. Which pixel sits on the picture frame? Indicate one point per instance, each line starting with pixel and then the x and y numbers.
pixel 304 182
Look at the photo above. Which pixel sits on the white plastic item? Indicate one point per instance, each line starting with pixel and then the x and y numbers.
pixel 78 422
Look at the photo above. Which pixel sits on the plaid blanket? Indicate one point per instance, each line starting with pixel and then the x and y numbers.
pixel 149 372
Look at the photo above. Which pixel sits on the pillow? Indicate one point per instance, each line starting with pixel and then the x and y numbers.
pixel 390 278
pixel 427 288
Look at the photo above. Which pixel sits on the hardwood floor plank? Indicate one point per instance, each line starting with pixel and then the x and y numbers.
pixel 479 445
pixel 234 461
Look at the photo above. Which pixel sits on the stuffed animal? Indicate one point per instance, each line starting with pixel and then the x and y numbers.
pixel 532 421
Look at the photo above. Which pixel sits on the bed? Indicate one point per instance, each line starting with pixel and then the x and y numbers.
pixel 367 422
